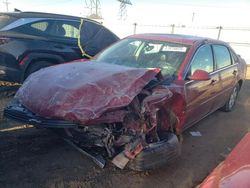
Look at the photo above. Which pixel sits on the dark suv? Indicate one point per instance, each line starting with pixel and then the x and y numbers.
pixel 30 41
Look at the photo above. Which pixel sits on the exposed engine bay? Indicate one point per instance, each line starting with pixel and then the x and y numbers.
pixel 129 130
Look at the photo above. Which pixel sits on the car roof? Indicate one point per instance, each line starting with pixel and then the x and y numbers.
pixel 182 39
pixel 44 15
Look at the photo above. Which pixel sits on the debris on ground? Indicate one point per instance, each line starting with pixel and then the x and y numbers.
pixel 195 133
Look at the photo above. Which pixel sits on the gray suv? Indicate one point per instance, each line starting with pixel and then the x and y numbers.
pixel 30 41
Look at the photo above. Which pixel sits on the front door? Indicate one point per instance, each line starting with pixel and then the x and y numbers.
pixel 200 94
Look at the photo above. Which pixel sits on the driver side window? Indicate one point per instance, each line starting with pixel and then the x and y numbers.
pixel 203 60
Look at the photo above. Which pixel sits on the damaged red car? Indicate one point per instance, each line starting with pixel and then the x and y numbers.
pixel 131 103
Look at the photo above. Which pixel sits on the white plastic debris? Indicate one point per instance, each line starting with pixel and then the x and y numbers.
pixel 195 133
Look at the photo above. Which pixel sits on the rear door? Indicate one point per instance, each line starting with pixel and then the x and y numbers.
pixel 64 34
pixel 227 71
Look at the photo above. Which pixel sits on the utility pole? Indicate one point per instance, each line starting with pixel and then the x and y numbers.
pixel 96 7
pixel 219 32
pixel 135 25
pixel 6 2
pixel 172 30
pixel 193 17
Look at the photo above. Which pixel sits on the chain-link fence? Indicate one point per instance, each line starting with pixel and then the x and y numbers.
pixel 237 37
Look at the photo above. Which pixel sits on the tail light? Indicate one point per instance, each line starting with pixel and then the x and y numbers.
pixel 4 40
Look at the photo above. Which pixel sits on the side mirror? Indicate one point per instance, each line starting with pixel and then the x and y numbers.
pixel 200 75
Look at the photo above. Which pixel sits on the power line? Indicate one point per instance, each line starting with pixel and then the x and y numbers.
pixel 6 2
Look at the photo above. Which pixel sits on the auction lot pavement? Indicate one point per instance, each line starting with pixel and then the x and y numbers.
pixel 32 157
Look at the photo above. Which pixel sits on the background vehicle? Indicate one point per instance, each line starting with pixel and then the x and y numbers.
pixel 136 98
pixel 30 41
pixel 234 170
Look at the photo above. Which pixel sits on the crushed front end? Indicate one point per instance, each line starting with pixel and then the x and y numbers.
pixel 130 124
pixel 122 135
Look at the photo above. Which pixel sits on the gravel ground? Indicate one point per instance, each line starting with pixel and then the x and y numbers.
pixel 32 157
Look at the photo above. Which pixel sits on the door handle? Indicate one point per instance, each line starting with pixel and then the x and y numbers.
pixel 235 72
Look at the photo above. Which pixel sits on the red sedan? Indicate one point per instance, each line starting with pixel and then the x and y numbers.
pixel 234 171
pixel 131 103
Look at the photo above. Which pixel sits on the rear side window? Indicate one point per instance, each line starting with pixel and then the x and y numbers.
pixel 6 20
pixel 203 60
pixel 234 57
pixel 39 28
pixel 42 26
pixel 71 31
pixel 222 56
pixel 56 28
pixel 65 29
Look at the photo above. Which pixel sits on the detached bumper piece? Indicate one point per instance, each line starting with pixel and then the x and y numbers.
pixel 16 111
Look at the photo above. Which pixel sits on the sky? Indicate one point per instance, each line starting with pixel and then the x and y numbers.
pixel 155 15
pixel 148 12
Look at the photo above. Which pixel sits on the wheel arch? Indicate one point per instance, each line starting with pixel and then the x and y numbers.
pixel 37 57
pixel 178 105
pixel 240 82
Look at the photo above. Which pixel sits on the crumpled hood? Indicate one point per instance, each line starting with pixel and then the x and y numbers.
pixel 82 91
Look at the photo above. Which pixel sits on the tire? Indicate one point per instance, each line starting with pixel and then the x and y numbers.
pixel 157 154
pixel 36 66
pixel 229 106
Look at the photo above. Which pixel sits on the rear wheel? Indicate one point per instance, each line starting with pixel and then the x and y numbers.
pixel 36 66
pixel 232 99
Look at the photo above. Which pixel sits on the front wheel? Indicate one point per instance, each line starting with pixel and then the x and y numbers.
pixel 157 154
pixel 232 99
